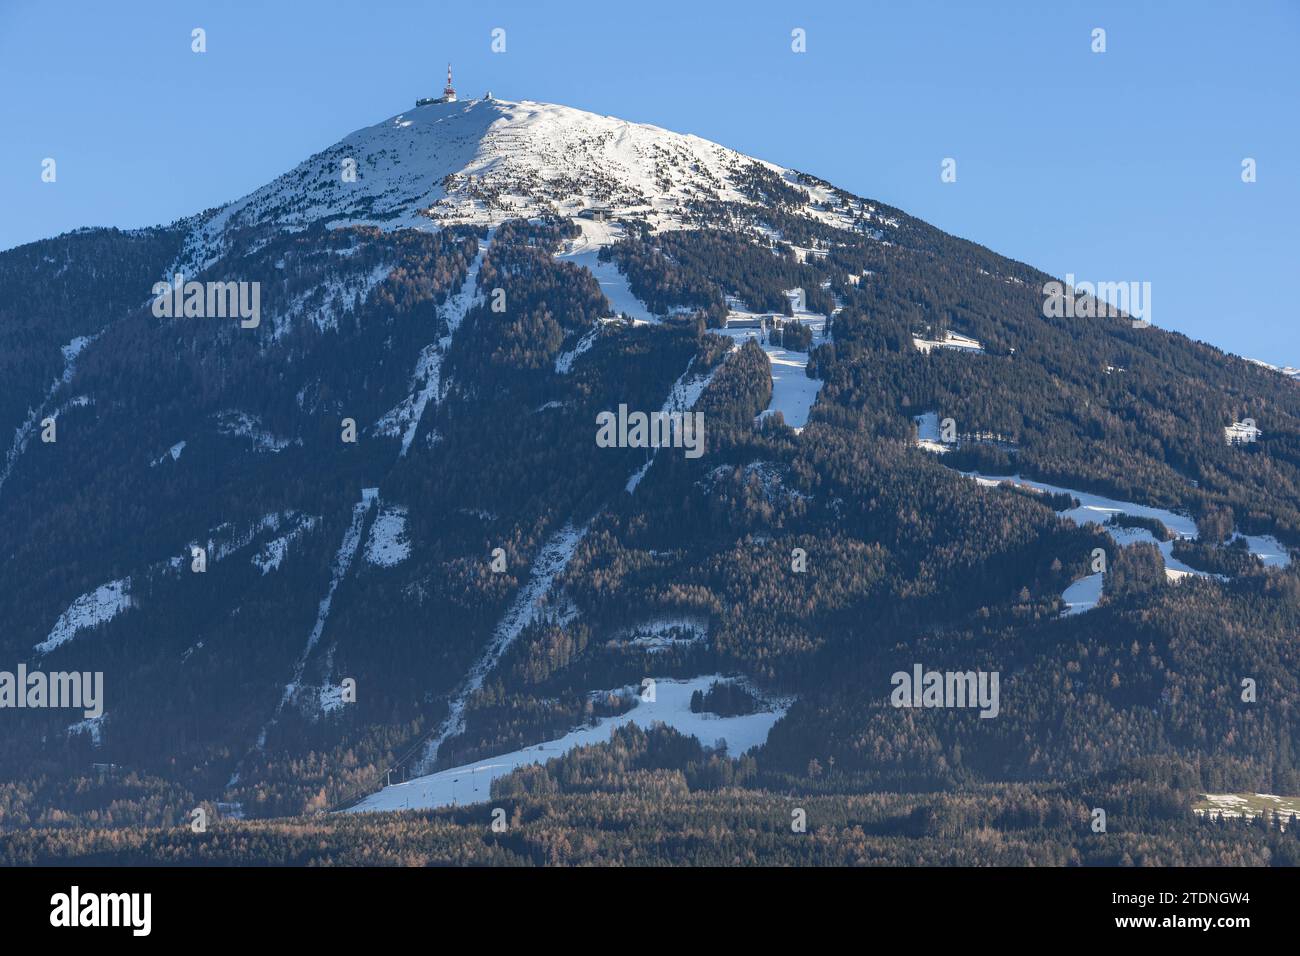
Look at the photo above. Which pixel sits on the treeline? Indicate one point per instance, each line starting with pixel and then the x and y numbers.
pixel 644 798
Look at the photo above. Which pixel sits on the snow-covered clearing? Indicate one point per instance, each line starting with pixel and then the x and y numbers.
pixel 388 544
pixel 929 436
pixel 1268 549
pixel 927 433
pixel 1249 805
pixel 688 388
pixel 637 476
pixel 793 392
pixel 1099 509
pixel 472 783
pixel 71 352
pixel 1083 594
pixel 585 251
pixel 330 698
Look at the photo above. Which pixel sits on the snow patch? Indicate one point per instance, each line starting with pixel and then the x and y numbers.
pixel 388 544
pixel 174 453
pixel 90 610
pixel 927 434
pixel 94 726
pixel 1084 594
pixel 564 361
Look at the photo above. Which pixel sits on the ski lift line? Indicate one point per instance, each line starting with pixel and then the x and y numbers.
pixel 365 790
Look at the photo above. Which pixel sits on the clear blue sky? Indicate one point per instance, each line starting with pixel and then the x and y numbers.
pixel 1117 166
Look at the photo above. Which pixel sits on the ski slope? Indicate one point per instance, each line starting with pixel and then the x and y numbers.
pixel 472 783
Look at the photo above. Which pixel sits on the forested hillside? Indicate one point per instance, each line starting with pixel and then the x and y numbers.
pixel 396 487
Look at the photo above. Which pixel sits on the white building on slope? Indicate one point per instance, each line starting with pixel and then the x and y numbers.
pixel 1240 432
pixel 950 340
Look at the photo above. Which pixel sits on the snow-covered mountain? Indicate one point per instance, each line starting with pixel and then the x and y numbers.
pixel 482 162
pixel 415 555
pixel 485 161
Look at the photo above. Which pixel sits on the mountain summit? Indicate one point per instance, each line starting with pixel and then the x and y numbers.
pixel 484 161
